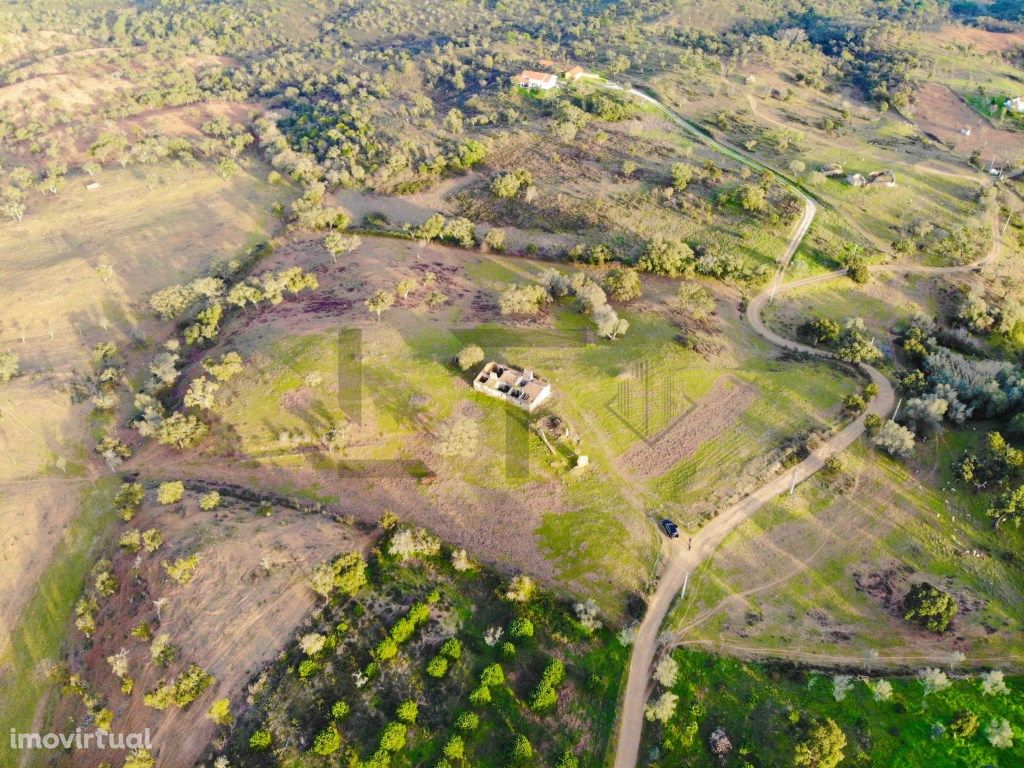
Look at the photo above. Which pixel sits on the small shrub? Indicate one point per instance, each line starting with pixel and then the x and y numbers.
pixel 260 740
pixel 522 749
pixel 8 366
pixel 328 741
pixel 170 493
pixel 480 696
pixel 403 630
pixel 854 403
pixel 545 695
pixel 894 439
pixel 220 712
pixel 492 675
pixel 127 500
pixel 162 650
pixel 521 627
pixel 455 748
pixel 469 356
pixel 929 607
pixel 104 719
pixel 521 589
pixel 407 712
pixel 209 501
pixel 131 541
pixel 139 758
pixel 437 666
pixel 340 710
pixel 392 738
pixel 452 648
pixel 152 539
pixel 964 725
pixel 467 721
pixel 183 569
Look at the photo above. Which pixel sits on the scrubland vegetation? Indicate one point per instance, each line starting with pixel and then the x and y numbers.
pixel 431 658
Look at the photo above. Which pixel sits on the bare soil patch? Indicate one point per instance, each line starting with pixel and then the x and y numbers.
pixel 715 412
pixel 412 209
pixel 886 585
pixel 248 596
pixel 72 90
pixel 379 263
pixel 982 39
pixel 941 114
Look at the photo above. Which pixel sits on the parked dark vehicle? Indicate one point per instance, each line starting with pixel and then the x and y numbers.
pixel 670 528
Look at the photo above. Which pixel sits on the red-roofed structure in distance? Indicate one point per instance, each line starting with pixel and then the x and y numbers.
pixel 542 81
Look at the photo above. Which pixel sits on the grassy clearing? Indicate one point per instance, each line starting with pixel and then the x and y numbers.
pixel 766 711
pixel 593 526
pixel 882 303
pixel 793 398
pixel 44 622
pixel 825 570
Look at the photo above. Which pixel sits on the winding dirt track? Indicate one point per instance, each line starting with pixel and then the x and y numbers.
pixel 682 561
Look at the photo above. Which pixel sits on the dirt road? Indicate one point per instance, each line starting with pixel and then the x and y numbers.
pixel 682 560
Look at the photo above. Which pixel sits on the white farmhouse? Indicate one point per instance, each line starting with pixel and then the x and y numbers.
pixel 542 81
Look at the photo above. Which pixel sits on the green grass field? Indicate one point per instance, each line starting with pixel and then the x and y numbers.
pixel 601 530
pixel 766 711
pixel 39 638
pixel 787 579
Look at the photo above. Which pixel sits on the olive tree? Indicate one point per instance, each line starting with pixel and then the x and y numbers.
pixel 9 367
pixel 823 747
pixel 895 440
pixel 469 356
pixel 380 302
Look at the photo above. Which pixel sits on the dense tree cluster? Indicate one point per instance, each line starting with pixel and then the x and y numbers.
pixel 930 607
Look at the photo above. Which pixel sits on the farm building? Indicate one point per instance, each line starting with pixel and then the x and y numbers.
pixel 1016 104
pixel 542 81
pixel 521 388
pixel 575 73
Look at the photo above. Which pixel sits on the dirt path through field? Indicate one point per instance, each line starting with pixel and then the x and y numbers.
pixel 685 557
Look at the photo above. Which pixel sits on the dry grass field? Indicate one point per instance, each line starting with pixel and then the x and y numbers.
pixel 55 305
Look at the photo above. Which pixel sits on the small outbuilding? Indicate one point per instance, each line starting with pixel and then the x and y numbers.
pixel 1016 104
